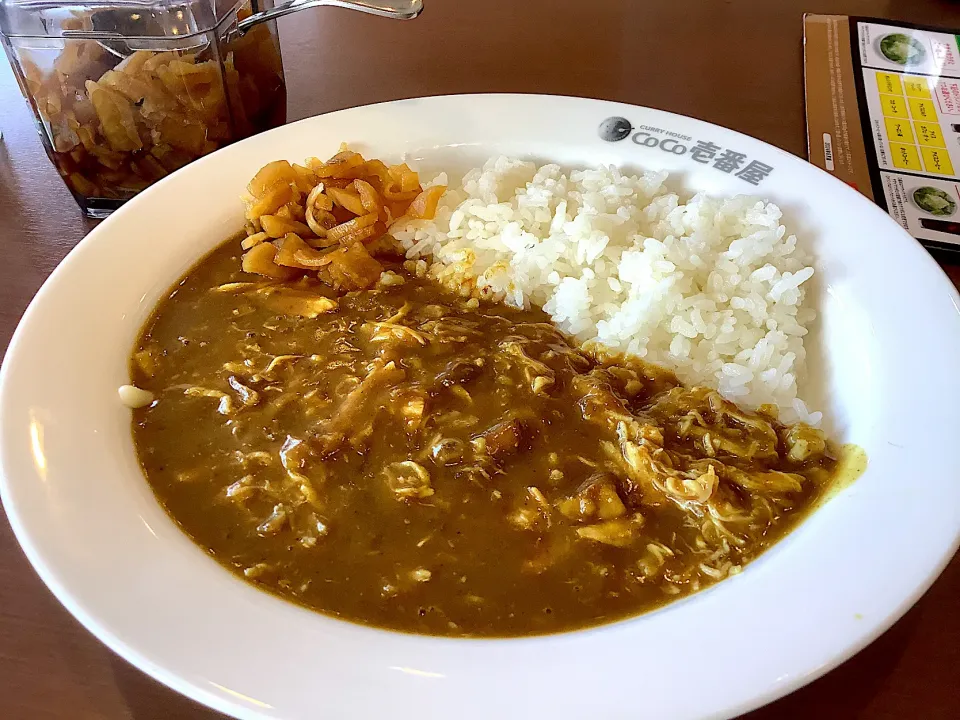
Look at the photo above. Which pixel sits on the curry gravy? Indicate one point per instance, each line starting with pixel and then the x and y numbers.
pixel 410 459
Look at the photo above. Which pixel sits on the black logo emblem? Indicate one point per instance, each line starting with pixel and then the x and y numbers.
pixel 615 128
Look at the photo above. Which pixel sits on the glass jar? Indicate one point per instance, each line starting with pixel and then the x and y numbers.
pixel 126 92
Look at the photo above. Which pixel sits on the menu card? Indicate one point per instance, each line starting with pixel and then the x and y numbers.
pixel 883 115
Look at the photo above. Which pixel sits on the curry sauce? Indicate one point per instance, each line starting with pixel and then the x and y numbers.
pixel 410 459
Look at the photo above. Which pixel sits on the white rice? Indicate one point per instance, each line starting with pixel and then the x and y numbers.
pixel 711 288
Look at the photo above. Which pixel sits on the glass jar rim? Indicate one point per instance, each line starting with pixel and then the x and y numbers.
pixel 148 19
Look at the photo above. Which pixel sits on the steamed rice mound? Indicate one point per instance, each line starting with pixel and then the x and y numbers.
pixel 712 288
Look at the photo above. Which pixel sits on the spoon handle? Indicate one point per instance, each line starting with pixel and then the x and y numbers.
pixel 397 9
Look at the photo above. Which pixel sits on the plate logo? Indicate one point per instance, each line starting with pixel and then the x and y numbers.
pixel 616 128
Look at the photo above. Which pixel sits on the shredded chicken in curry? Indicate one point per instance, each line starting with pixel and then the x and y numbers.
pixel 408 458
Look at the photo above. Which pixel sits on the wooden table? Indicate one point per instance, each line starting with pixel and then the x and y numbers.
pixel 732 62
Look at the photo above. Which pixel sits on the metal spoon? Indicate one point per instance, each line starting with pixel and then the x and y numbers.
pixel 112 39
pixel 397 9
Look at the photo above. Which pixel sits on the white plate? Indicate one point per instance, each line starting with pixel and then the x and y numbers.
pixel 885 373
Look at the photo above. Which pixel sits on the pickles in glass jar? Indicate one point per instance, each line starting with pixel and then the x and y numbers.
pixel 117 115
pixel 126 92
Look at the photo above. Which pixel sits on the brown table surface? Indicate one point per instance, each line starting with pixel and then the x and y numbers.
pixel 732 62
